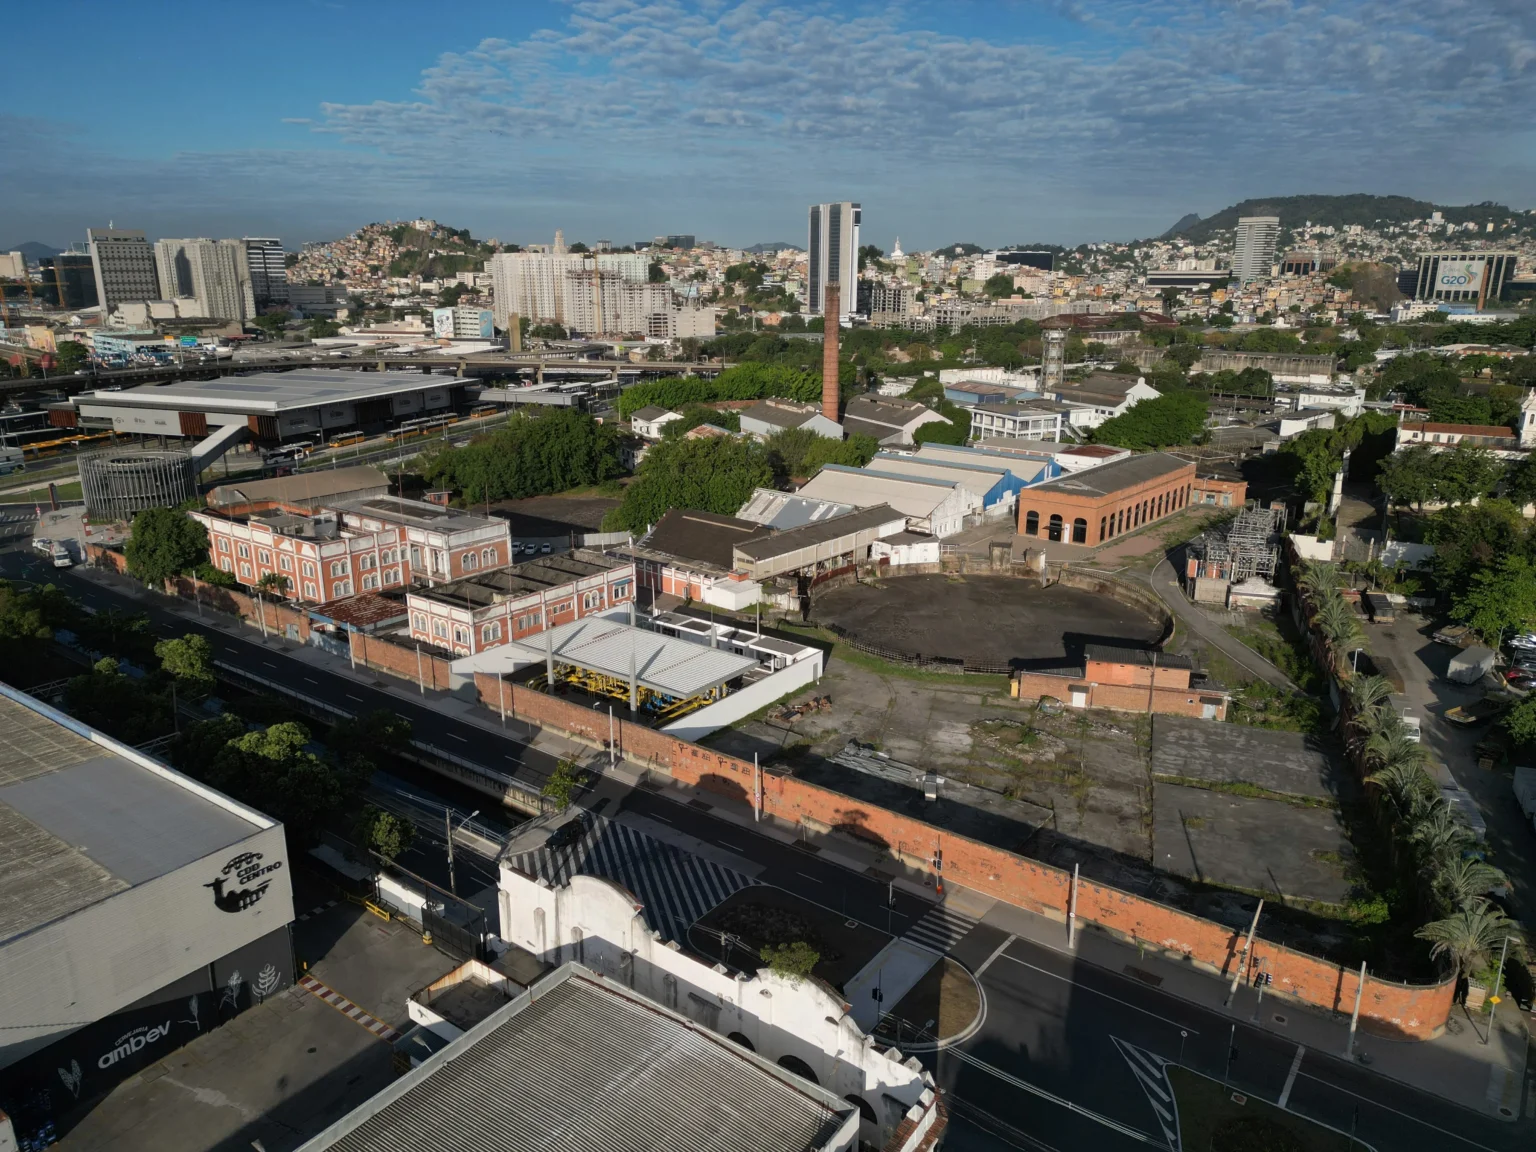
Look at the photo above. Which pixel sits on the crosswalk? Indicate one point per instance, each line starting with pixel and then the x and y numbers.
pixel 676 887
pixel 1151 1073
pixel 940 930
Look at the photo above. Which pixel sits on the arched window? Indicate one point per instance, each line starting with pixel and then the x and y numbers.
pixel 738 1038
pixel 1101 529
pixel 1031 523
pixel 799 1067
pixel 1053 529
pixel 866 1112
pixel 1079 531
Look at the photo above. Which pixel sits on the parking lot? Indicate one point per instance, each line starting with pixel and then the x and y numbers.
pixel 1406 642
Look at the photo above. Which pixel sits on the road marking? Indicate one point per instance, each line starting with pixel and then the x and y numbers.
pixel 1105 995
pixel 1404 1115
pixel 1290 1079
pixel 509 756
pixel 307 680
pixel 996 952
pixel 1035 1090
pixel 663 819
pixel 349 696
pixel 805 876
pixel 732 847
pixel 456 736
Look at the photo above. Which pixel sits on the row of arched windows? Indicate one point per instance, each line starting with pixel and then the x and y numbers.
pixel 1125 519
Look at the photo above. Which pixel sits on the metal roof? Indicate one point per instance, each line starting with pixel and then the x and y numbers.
pixel 606 644
pixel 579 1063
pixel 865 520
pixel 266 393
pixel 783 510
pixel 1116 475
pixel 303 488
pixel 83 817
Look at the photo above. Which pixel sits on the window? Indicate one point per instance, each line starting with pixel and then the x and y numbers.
pixel 460 634
pixel 338 567
pixel 621 590
pixel 367 561
pixel 470 562
pixel 418 622
pixel 244 551
pixel 488 556
pixel 245 572
pixel 490 633
pixel 392 576
pixel 1079 531
pixel 531 620
pixel 285 563
pixel 1032 523
pixel 440 629
pixel 370 582
pixel 1103 522
pixel 415 556
pixel 591 600
pixel 341 588
pixel 309 590
pixel 223 544
pixel 1053 529
pixel 264 558
pixel 309 569
pixel 226 563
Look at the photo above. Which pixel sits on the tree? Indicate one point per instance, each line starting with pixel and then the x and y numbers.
pixel 164 542
pixel 1460 883
pixel 656 272
pixel 382 832
pixel 715 474
pixel 957 430
pixel 274 771
pixel 1411 476
pixel 548 331
pixel 28 616
pixel 1521 721
pixel 1499 600
pixel 1470 937
pixel 552 450
pixel 998 284
pixel 563 783
pixel 1173 418
pixel 1407 785
pixel 1438 836
pixel 272 323
pixel 1469 538
pixel 1467 473
pixel 272 584
pixel 189 660
pixel 320 328
pixel 794 961
pixel 122 706
pixel 71 355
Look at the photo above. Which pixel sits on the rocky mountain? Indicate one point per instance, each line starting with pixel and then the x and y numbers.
pixel 1339 212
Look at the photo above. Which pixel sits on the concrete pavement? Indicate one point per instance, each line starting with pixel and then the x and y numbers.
pixel 1165 582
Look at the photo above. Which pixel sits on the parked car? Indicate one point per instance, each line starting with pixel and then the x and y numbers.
pixel 1457 635
pixel 568 833
pixel 545 547
pixel 1526 640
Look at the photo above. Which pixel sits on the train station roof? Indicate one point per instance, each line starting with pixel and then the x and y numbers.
pixel 607 645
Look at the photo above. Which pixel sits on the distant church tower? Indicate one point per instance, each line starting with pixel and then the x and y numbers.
pixel 896 252
pixel 1528 419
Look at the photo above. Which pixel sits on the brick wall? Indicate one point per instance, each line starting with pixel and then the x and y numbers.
pixel 109 557
pixel 1403 1011
pixel 419 666
pixel 279 617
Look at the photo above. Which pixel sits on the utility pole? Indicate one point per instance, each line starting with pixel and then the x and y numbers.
pixel 1242 963
pixel 1354 1019
pixel 1493 1001
pixel 1072 911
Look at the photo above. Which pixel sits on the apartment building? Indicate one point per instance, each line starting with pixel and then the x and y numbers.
pixel 206 271
pixel 124 265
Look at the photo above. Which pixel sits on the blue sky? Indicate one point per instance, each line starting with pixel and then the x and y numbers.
pixel 996 121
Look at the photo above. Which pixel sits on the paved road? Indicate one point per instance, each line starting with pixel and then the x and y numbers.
pixel 1165 582
pixel 1049 1042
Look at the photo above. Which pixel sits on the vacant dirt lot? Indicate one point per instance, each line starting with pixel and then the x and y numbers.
pixel 983 619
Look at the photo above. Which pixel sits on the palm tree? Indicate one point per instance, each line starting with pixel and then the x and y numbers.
pixel 1340 627
pixel 1317 577
pixel 1470 936
pixel 1392 744
pixel 1406 784
pixel 1462 882
pixel 272 582
pixel 1438 836
pixel 1368 692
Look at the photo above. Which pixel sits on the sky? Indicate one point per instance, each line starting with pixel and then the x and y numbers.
pixel 991 121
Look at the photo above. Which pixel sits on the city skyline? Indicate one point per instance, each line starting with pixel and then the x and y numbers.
pixel 1099 121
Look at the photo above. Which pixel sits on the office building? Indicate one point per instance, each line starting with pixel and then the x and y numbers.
pixel 463 322
pixel 1253 253
pixel 139 910
pixel 124 266
pixel 683 241
pixel 266 269
pixel 69 278
pixel 1045 261
pixel 832 253
pixel 204 270
pixel 1463 277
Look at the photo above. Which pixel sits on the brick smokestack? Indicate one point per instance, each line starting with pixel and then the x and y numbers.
pixel 831 310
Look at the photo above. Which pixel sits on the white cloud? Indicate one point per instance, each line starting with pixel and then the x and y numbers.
pixel 725 117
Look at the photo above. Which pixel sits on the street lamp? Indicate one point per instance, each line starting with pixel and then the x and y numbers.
pixel 453 884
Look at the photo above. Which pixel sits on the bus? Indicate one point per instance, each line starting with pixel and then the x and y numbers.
pixel 12 460
pixel 342 439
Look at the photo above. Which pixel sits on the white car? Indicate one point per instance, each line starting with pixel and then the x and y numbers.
pixel 1525 640
pixel 545 547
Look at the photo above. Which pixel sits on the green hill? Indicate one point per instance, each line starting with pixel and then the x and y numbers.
pixel 1337 211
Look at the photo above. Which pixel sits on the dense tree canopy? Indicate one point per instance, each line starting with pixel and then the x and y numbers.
pixel 552 450
pixel 1418 475
pixel 1173 418
pixel 751 381
pixel 164 542
pixel 713 474
pixel 799 453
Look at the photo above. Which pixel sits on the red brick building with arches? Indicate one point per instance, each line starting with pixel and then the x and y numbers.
pixel 1099 504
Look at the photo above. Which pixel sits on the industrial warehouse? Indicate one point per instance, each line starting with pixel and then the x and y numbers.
pixel 138 910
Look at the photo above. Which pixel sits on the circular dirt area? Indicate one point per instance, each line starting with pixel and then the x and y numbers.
pixel 983 619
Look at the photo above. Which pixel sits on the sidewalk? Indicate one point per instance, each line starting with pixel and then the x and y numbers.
pixel 1457 1066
